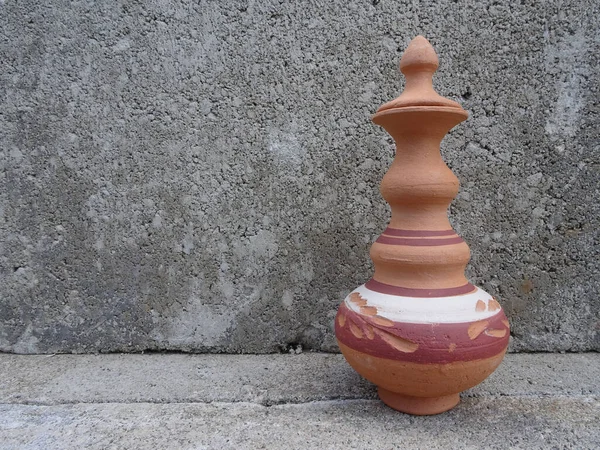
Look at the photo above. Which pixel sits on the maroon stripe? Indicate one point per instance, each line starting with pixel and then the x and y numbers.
pixel 417 233
pixel 418 242
pixel 383 288
pixel 435 343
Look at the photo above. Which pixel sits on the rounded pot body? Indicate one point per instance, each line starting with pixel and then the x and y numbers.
pixel 429 348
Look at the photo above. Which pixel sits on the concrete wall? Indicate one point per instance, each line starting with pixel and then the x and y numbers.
pixel 203 176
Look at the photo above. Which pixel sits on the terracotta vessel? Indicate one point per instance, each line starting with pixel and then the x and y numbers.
pixel 418 329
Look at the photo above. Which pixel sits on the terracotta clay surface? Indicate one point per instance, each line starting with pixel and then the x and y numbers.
pixel 418 329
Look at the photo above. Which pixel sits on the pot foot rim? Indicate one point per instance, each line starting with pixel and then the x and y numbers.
pixel 418 406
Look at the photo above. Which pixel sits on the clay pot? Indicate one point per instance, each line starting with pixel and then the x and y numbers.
pixel 418 329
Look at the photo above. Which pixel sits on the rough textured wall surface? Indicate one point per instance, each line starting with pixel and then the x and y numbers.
pixel 203 176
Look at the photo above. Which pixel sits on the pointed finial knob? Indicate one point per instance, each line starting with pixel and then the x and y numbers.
pixel 418 64
pixel 419 56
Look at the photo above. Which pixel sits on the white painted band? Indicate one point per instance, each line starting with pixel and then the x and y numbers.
pixel 455 309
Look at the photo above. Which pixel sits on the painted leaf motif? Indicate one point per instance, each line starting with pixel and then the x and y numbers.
pixel 496 333
pixel 480 306
pixel 476 328
pixel 493 305
pixel 400 344
pixel 368 310
pixel 372 328
pixel 357 299
pixel 356 331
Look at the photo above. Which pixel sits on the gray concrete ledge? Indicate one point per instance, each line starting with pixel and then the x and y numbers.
pixel 283 401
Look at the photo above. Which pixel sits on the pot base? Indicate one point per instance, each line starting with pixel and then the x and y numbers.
pixel 418 406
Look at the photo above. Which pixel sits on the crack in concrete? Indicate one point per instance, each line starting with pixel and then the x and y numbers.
pixel 268 404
